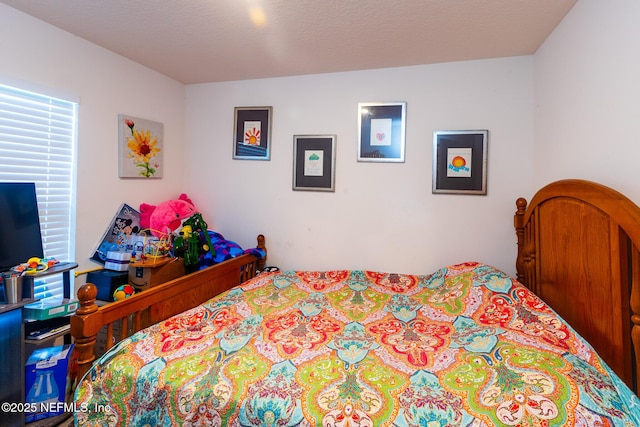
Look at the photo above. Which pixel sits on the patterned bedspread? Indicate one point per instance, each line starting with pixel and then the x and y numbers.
pixel 465 346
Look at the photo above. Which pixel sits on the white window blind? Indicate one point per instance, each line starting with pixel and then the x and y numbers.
pixel 37 144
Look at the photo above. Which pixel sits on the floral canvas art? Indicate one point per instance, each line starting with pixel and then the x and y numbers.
pixel 140 147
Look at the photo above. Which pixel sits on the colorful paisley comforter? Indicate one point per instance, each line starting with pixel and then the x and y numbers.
pixel 465 346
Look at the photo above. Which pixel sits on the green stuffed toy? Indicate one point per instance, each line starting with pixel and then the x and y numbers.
pixel 193 241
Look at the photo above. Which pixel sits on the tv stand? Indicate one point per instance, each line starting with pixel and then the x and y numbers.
pixel 12 360
pixel 61 267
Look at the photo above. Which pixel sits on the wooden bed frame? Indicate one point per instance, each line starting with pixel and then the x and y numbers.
pixel 578 250
pixel 155 304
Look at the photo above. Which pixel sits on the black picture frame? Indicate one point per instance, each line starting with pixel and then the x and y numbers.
pixel 460 162
pixel 252 133
pixel 314 158
pixel 381 131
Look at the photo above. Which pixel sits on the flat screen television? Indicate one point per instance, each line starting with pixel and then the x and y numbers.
pixel 20 237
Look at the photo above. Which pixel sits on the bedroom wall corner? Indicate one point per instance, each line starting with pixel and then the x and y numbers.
pixel 37 56
pixel 586 97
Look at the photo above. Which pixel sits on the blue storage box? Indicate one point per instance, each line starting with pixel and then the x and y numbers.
pixel 107 281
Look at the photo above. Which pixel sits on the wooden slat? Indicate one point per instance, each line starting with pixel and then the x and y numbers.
pixel 634 304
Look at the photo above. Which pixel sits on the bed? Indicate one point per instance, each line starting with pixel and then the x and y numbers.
pixel 463 345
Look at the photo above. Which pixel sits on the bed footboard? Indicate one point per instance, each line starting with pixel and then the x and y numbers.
pixel 153 305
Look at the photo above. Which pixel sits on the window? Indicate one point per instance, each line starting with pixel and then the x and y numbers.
pixel 37 144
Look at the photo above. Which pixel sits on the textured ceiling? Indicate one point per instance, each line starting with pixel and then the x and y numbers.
pixel 197 41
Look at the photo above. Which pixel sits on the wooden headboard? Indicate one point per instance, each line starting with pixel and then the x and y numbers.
pixel 578 250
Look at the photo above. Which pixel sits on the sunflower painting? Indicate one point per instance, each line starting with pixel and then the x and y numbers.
pixel 140 148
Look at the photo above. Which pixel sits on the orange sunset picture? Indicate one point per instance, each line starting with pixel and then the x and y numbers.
pixel 252 136
pixel 458 162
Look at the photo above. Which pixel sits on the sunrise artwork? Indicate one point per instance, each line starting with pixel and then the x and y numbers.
pixel 252 133
pixel 459 162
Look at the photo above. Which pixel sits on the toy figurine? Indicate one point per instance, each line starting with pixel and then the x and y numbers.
pixel 193 241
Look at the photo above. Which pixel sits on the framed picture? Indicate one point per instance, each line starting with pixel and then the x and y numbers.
pixel 314 159
pixel 140 147
pixel 460 162
pixel 381 131
pixel 252 133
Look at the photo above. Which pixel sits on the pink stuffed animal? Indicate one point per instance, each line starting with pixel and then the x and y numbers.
pixel 164 219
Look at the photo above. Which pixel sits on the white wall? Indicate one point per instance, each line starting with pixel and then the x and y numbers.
pixel 587 97
pixel 382 216
pixel 37 56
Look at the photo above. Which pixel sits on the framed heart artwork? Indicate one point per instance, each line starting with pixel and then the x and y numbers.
pixel 381 131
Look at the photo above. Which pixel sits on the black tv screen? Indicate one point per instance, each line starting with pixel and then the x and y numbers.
pixel 20 237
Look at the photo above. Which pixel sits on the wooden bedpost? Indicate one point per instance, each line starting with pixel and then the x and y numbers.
pixel 527 240
pixel 261 245
pixel 84 335
pixel 518 223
